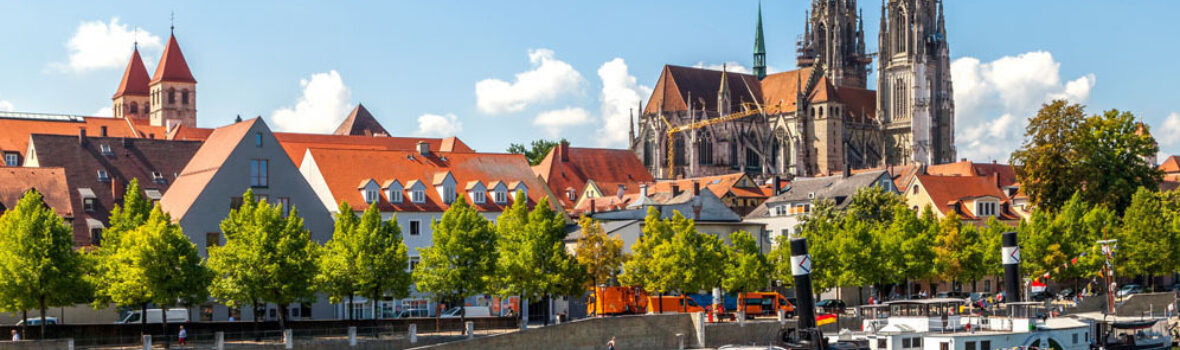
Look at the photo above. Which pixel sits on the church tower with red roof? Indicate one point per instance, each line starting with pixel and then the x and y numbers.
pixel 173 90
pixel 132 99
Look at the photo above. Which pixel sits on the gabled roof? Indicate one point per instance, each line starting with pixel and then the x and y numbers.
pixel 718 184
pixel 778 93
pixel 1171 165
pixel 947 191
pixel 297 144
pixel 15 128
pixel 572 167
pixel 203 166
pixel 135 78
pixel 360 123
pixel 340 174
pixel 806 189
pixel 173 67
pixel 129 159
pixel 50 181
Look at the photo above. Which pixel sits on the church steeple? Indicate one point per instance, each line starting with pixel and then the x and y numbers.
pixel 173 89
pixel 131 99
pixel 759 48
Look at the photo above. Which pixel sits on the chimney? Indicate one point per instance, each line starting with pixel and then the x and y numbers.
pixel 777 185
pixel 423 148
pixel 563 148
pixel 675 189
pixel 643 190
pixel 696 188
pixel 81 136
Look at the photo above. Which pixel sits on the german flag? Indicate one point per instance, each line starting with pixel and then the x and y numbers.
pixel 825 319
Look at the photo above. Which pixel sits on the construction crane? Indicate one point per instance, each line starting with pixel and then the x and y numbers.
pixel 750 109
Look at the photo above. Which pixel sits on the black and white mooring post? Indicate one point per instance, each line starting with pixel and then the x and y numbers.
pixel 801 269
pixel 1010 255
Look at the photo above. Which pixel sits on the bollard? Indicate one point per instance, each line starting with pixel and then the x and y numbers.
pixel 147 342
pixel 413 333
pixel 70 344
pixel 782 316
pixel 352 336
pixel 680 340
pixel 470 327
pixel 741 316
pixel 288 339
pixel 219 340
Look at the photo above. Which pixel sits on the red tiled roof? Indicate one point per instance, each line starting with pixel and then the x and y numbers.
pixel 297 144
pixel 135 78
pixel 361 123
pixel 51 182
pixel 202 166
pixel 340 173
pixel 1171 165
pixel 946 191
pixel 129 159
pixel 608 168
pixel 15 132
pixel 718 184
pixel 172 65
pixel 1007 176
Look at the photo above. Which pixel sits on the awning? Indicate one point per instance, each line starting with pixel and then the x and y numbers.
pixel 153 194
pixel 86 193
pixel 94 223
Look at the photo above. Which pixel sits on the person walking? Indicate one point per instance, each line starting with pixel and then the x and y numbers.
pixel 182 336
pixel 16 336
pixel 610 345
pixel 1171 310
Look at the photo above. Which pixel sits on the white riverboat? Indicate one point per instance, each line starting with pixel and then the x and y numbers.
pixel 952 324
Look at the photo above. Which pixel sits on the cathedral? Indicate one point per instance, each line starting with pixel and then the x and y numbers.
pixel 818 119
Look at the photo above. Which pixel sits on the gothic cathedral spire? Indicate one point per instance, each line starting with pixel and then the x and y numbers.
pixel 759 48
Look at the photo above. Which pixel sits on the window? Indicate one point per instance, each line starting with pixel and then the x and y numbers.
pixel 985 208
pixel 969 346
pixel 414 262
pixel 479 197
pixel 1075 338
pixel 502 196
pixel 418 196
pixel 134 108
pixel 106 150
pixel 918 342
pixel 212 239
pixel 258 173
pixel 103 131
pixel 985 345
pixel 370 196
pixel 448 195
pixel 103 176
pixel 785 232
pixel 11 159
pixel 171 96
pixel 88 204
pixel 394 196
pixel 284 203
pixel 569 193
pixel 944 346
pixel 881 343
pixel 262 198
pixel 987 286
pixel 915 189
pixel 780 210
pixel 158 177
pixel 258 139
pixel 235 202
pixel 96 239
pixel 905 343
pixel 415 227
pixel 184 97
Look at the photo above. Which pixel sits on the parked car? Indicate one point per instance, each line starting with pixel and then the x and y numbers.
pixel 153 316
pixel 833 306
pixel 1042 296
pixel 954 295
pixel 1128 290
pixel 472 311
pixel 1067 293
pixel 413 313
pixel 50 320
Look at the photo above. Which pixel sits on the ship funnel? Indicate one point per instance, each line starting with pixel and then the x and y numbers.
pixel 801 269
pixel 1010 255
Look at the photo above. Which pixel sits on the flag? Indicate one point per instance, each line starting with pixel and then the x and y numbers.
pixel 825 319
pixel 1075 260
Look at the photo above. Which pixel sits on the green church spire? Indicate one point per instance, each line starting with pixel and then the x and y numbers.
pixel 759 48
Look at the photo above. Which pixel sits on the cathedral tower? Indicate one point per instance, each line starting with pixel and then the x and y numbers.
pixel 834 36
pixel 173 90
pixel 759 48
pixel 131 100
pixel 915 97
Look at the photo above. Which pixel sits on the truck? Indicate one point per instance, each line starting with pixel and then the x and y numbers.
pixel 177 315
pixel 757 303
pixel 616 300
pixel 672 304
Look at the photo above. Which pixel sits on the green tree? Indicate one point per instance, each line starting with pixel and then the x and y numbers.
pixel 907 243
pixel 533 262
pixel 1112 159
pixel 746 269
pixel 873 204
pixel 337 264
pixel 600 254
pixel 1147 245
pixel 1044 163
pixel 105 268
pixel 956 258
pixel 859 251
pixel 821 227
pixel 382 259
pixel 693 261
pixel 779 261
pixel 643 269
pixel 158 262
pixel 37 258
pixel 268 257
pixel 461 260
pixel 536 151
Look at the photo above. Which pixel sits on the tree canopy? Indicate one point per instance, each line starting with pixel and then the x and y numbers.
pixel 461 260
pixel 536 151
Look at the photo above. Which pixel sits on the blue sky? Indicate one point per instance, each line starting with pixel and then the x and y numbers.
pixel 563 68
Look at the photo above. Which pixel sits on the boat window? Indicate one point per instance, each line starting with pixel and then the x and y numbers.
pixel 905 343
pixel 944 346
pixel 880 343
pixel 970 345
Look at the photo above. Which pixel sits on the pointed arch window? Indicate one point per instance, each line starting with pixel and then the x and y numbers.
pixel 171 96
pixel 184 97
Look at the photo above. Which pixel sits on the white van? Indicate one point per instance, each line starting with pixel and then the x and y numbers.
pixel 177 315
pixel 472 311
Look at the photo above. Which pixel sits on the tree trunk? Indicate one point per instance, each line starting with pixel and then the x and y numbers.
pixel 164 319
pixel 594 280
pixel 254 310
pixel 41 301
pixel 24 329
pixel 351 302
pixel 548 309
pixel 463 313
pixel 283 318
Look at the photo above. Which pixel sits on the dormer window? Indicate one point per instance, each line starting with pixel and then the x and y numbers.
pixel 986 208
pixel 571 194
pixel 11 159
pixel 106 150
pixel 393 191
pixel 502 197
pixel 157 177
pixel 103 176
pixel 418 196
pixel 479 197
pixel 394 196
pixel 370 196
pixel 448 195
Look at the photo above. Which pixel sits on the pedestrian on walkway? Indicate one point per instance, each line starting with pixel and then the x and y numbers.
pixel 181 336
pixel 16 336
pixel 1171 310
pixel 610 345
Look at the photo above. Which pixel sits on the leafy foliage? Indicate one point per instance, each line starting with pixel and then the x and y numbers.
pixel 536 151
pixel 600 254
pixel 746 269
pixel 462 258
pixel 104 268
pixel 533 261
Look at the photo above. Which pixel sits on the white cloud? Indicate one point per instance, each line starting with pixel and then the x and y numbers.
pixel 548 79
pixel 438 125
pixel 557 120
pixel 324 104
pixel 730 66
pixel 620 98
pixel 100 45
pixel 5 106
pixel 994 100
pixel 1169 134
pixel 104 112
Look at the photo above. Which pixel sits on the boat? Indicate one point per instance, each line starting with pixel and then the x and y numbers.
pixel 1129 333
pixel 953 324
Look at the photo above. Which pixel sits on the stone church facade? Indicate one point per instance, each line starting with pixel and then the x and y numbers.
pixel 817 119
